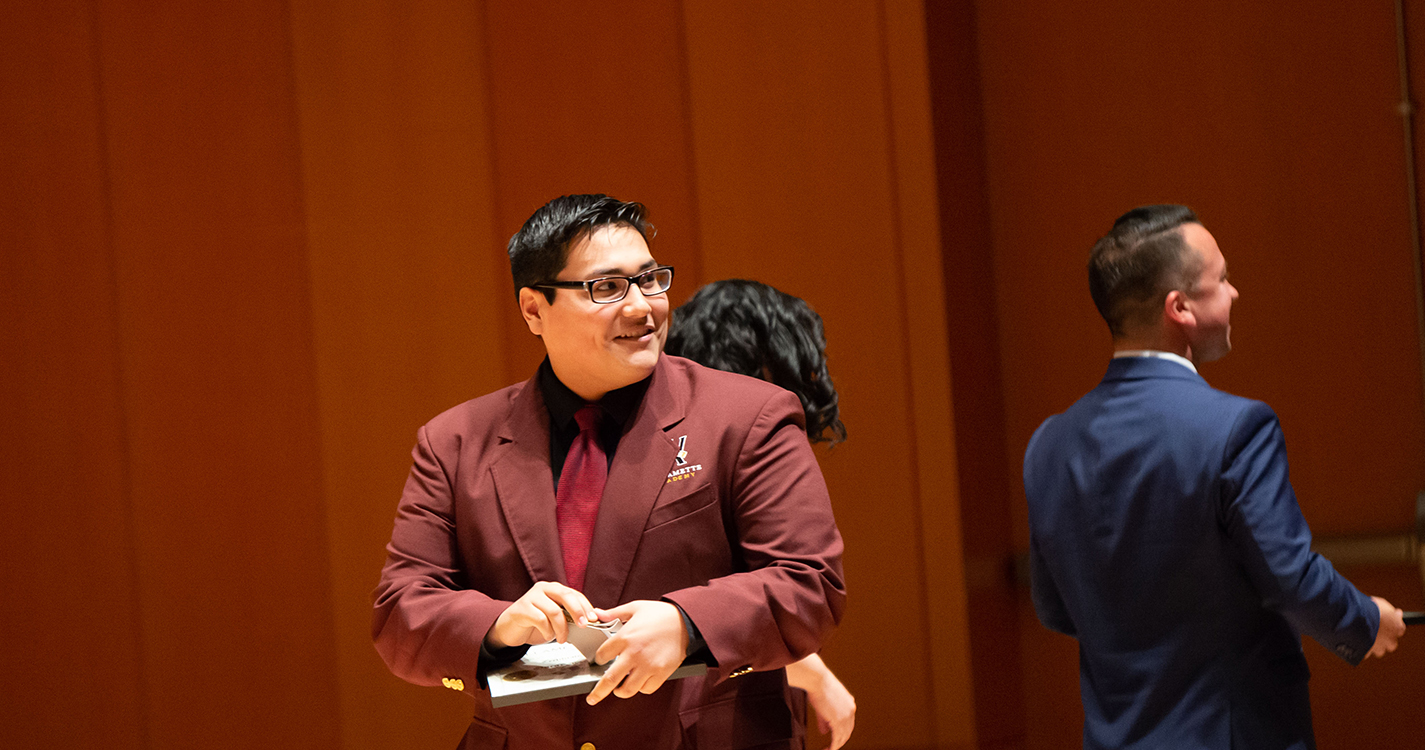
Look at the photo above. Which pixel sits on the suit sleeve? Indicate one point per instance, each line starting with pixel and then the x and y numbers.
pixel 1048 603
pixel 792 593
pixel 427 625
pixel 1265 524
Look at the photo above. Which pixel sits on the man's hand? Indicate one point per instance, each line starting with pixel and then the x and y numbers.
pixel 536 617
pixel 835 707
pixel 1392 626
pixel 649 646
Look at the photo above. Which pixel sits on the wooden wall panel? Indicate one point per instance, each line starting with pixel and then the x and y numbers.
pixel 806 141
pixel 973 340
pixel 72 659
pixel 1281 129
pixel 410 295
pixel 219 383
pixel 929 367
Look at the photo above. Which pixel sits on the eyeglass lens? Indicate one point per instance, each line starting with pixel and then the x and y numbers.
pixel 656 281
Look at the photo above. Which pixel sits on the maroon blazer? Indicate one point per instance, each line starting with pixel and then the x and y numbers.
pixel 737 530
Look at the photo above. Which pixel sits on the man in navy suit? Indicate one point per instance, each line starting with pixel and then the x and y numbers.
pixel 1164 534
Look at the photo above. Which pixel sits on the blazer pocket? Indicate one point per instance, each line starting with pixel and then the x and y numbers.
pixel 484 735
pixel 743 722
pixel 681 506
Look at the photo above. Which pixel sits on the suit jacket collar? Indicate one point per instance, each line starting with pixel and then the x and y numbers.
pixel 1138 368
pixel 645 455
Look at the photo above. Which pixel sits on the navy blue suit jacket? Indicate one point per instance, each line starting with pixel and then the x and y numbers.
pixel 1165 537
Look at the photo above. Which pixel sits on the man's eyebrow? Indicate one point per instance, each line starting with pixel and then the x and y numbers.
pixel 611 271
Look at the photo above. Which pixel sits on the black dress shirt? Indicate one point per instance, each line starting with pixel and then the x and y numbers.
pixel 618 405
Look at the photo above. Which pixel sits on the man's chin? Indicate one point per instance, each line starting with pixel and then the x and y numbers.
pixel 640 364
pixel 645 361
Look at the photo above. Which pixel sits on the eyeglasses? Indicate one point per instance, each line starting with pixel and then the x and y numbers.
pixel 607 290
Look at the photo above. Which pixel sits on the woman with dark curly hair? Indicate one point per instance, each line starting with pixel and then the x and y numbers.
pixel 752 329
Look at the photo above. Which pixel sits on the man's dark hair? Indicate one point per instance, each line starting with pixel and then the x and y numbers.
pixel 752 329
pixel 540 249
pixel 1140 260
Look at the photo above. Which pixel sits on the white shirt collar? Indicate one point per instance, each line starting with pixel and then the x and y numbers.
pixel 1155 354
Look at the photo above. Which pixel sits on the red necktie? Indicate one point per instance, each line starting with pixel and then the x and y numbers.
pixel 581 486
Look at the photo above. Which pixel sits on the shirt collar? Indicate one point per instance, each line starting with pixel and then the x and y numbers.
pixel 618 404
pixel 1155 354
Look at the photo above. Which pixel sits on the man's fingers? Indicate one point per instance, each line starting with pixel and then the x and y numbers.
pixel 611 679
pixel 632 685
pixel 652 684
pixel 622 611
pixel 573 602
pixel 550 620
pixel 610 649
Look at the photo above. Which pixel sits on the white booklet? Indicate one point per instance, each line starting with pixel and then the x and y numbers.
pixel 558 670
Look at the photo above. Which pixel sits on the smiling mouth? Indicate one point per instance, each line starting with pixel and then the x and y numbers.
pixel 635 335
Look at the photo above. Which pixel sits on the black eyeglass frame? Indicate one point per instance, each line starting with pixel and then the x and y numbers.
pixel 629 281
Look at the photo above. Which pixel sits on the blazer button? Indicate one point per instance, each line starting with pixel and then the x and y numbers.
pixel 1345 652
pixel 587 746
pixel 453 683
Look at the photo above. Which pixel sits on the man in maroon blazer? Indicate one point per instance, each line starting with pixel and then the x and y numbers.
pixel 713 536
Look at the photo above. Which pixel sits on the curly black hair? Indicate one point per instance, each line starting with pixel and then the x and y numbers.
pixel 752 329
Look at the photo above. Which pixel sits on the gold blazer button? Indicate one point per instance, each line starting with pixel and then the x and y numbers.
pixel 453 683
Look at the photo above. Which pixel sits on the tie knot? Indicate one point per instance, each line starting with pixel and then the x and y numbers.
pixel 588 417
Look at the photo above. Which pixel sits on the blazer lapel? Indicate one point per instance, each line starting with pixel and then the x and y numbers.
pixel 525 486
pixel 640 468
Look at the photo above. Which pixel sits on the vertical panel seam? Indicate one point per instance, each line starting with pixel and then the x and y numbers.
pixel 913 437
pixel 127 502
pixel 487 77
pixel 299 174
pixel 685 76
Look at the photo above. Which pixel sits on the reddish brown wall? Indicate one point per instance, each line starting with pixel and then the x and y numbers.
pixel 249 249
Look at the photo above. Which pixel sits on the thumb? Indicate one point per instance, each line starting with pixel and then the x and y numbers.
pixel 621 612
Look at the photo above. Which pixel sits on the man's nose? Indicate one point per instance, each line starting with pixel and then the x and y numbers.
pixel 635 305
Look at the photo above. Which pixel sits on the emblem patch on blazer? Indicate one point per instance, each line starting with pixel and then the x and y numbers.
pixel 684 470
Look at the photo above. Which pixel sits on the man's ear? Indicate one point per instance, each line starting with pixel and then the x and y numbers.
pixel 532 304
pixel 1177 310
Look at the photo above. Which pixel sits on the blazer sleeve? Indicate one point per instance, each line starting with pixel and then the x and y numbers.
pixel 1262 519
pixel 791 593
pixel 1048 602
pixel 427 624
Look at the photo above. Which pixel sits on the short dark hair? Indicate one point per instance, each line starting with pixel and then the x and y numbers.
pixel 539 250
pixel 1140 260
pixel 752 329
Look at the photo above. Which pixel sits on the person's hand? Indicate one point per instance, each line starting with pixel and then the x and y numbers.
pixel 536 617
pixel 651 644
pixel 1392 626
pixel 834 705
pixel 835 710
